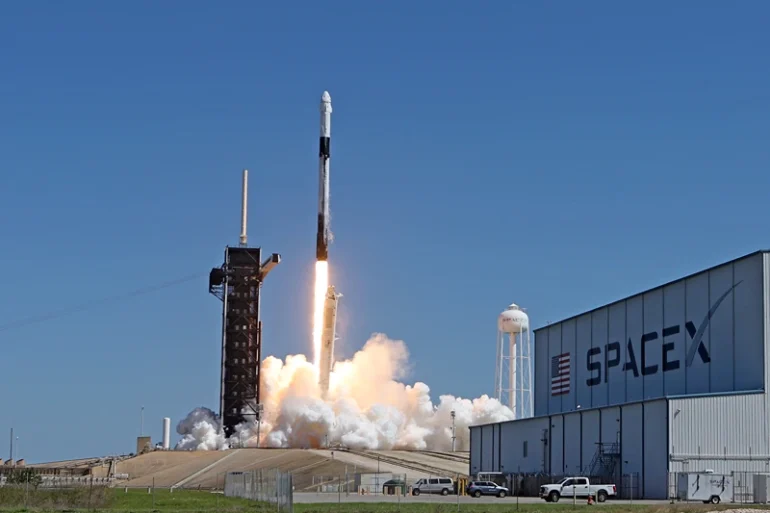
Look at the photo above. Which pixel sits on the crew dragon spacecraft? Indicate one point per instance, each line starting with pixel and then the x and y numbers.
pixel 324 153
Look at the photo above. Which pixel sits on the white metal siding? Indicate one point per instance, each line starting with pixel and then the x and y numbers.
pixel 730 427
pixel 599 332
pixel 749 327
pixel 487 448
pixel 650 354
pixel 591 429
pixel 767 332
pixel 542 374
pixel 514 435
pixel 568 344
pixel 583 344
pixel 572 440
pixel 655 450
pixel 572 446
pixel 633 363
pixel 610 425
pixel 554 349
pixel 557 445
pixel 475 455
pixel 625 367
pixel 632 443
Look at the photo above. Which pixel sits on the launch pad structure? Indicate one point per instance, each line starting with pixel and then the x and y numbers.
pixel 237 283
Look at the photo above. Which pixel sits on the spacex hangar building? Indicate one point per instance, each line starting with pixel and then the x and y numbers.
pixel 674 379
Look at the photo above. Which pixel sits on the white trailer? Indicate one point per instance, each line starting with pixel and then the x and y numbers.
pixel 705 486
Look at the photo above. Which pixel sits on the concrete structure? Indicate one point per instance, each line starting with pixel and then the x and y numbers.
pixel 143 444
pixel 166 433
pixel 674 379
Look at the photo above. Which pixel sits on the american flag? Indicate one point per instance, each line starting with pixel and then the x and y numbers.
pixel 560 374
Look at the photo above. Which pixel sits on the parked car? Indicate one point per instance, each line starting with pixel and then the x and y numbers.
pixel 442 485
pixel 479 488
pixel 576 487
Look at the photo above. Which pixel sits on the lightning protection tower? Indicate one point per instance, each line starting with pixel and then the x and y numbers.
pixel 237 283
pixel 513 368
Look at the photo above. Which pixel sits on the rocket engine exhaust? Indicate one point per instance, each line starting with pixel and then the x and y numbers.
pixel 324 153
pixel 327 338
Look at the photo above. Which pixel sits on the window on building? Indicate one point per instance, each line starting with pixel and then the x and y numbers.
pixel 524 449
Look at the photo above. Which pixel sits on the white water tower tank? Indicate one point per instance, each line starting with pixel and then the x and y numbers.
pixel 513 320
pixel 513 368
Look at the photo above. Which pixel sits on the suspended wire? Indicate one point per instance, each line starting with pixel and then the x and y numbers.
pixel 97 302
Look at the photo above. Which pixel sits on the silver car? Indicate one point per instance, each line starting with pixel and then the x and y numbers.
pixel 442 485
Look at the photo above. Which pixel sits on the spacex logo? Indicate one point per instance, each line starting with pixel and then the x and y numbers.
pixel 600 369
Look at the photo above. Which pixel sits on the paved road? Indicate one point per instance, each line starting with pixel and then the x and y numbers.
pixel 309 498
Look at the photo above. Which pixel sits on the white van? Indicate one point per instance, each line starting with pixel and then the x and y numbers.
pixel 442 485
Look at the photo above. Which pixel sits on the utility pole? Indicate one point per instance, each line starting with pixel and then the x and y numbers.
pixel 141 423
pixel 454 437
pixel 11 457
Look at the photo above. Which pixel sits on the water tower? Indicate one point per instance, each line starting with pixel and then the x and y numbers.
pixel 513 369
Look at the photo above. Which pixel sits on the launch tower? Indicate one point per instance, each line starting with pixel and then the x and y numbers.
pixel 237 283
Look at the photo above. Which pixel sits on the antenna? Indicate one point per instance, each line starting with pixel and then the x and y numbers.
pixel 244 206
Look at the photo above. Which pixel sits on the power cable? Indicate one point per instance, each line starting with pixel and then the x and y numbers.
pixel 98 302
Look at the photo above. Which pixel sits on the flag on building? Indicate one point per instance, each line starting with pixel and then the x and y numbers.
pixel 560 374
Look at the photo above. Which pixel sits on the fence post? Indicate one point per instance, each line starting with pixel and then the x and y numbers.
pixel 457 490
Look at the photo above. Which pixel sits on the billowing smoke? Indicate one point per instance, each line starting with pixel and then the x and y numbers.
pixel 201 431
pixel 367 407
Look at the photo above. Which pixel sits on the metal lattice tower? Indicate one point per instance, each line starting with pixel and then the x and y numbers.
pixel 237 283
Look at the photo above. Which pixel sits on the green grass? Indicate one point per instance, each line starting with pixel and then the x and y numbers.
pixel 178 501
pixel 504 508
pixel 189 501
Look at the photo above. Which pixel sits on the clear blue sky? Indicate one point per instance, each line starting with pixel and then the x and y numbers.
pixel 553 154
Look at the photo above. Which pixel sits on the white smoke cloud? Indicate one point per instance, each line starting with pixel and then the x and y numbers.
pixel 366 407
pixel 201 431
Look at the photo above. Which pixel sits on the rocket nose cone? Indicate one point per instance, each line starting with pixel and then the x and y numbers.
pixel 326 97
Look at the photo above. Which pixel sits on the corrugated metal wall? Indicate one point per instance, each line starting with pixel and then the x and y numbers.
pixel 654 481
pixel 722 433
pixel 642 348
pixel 572 443
pixel 515 435
pixel 767 327
pixel 501 447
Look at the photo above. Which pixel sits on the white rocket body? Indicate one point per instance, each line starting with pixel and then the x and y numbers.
pixel 324 154
pixel 328 334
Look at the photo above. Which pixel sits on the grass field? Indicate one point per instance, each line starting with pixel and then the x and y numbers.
pixel 187 501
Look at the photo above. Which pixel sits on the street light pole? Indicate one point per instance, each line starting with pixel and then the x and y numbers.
pixel 454 437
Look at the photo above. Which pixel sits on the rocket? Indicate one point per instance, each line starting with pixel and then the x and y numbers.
pixel 324 153
pixel 328 333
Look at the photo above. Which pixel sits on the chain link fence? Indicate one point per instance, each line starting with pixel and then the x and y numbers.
pixel 528 484
pixel 27 489
pixel 362 483
pixel 271 486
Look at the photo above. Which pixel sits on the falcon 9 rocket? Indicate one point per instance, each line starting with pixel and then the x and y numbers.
pixel 324 153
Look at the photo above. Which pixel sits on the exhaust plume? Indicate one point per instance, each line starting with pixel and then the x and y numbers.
pixel 367 407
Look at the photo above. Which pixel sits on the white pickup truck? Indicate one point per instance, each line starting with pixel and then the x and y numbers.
pixel 576 487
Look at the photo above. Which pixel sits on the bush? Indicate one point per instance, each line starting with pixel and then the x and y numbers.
pixel 25 476
pixel 24 496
